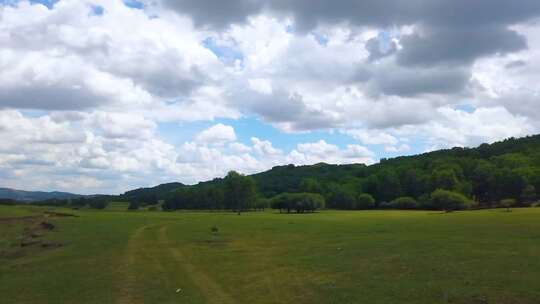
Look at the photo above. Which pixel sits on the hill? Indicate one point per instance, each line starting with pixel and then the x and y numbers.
pixel 150 195
pixel 30 196
pixel 485 175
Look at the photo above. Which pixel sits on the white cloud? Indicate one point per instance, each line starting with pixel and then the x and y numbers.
pixel 260 85
pixel 239 147
pixel 321 151
pixel 217 135
pixel 372 137
pixel 463 129
pixel 264 147
pixel 51 154
pixel 397 149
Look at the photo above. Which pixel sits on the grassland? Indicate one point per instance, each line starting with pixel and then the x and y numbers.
pixel 114 256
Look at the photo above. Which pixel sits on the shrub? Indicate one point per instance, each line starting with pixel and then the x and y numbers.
pixel 508 203
pixel 448 200
pixel 365 201
pixel 404 202
pixel 98 204
pixel 385 205
pixel 528 195
pixel 133 205
pixel 424 201
pixel 262 203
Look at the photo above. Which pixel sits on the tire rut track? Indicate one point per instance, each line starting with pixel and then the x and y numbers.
pixel 210 289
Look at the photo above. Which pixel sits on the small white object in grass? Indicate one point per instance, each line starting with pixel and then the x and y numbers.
pixel 179 290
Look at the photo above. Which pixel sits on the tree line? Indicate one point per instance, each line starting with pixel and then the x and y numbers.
pixel 459 178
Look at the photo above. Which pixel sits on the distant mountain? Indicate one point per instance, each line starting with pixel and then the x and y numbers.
pixel 30 196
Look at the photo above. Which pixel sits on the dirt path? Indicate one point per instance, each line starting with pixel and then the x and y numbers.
pixel 128 290
pixel 127 280
pixel 209 289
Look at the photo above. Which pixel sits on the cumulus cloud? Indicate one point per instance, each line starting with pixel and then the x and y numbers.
pixel 65 58
pixel 218 134
pixel 84 96
pixel 435 45
pixel 215 13
pixel 370 137
pixel 465 129
pixel 321 151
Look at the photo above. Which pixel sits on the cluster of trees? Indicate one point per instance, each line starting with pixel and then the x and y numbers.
pixel 8 202
pixel 299 202
pixel 94 202
pixel 148 196
pixel 235 192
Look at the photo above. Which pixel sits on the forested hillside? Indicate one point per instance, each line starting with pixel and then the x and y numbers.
pixel 150 195
pixel 507 171
pixel 29 196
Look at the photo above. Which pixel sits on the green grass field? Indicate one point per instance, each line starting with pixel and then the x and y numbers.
pixel 486 256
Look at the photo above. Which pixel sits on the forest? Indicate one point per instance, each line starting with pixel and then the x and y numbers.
pixel 491 175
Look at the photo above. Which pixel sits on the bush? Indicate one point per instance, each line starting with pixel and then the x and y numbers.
pixel 424 201
pixel 507 203
pixel 448 200
pixel 404 202
pixel 385 205
pixel 97 203
pixel 262 203
pixel 365 201
pixel 133 205
pixel 8 202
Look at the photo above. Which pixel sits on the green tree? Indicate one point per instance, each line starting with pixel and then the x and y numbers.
pixel 528 195
pixel 133 205
pixel 262 203
pixel 301 202
pixel 444 179
pixel 240 191
pixel 483 182
pixel 414 183
pixel 389 185
pixel 510 184
pixel 365 201
pixel 341 197
pixel 310 185
pixel 448 200
pixel 404 202
pixel 97 203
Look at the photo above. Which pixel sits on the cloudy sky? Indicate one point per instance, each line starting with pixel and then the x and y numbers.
pixel 102 96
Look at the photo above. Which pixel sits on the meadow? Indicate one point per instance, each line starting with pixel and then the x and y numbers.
pixel 116 256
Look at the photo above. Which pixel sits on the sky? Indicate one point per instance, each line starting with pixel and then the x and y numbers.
pixel 103 96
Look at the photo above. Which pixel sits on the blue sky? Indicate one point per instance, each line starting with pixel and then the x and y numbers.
pixel 249 127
